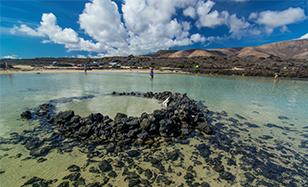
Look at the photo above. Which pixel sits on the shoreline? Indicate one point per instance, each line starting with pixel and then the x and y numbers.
pixel 68 70
pixel 127 70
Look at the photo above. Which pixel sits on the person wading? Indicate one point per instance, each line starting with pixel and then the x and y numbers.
pixel 152 72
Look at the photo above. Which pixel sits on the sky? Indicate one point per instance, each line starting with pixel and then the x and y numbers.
pixel 96 28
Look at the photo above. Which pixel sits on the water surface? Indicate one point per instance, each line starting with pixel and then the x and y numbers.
pixel 258 100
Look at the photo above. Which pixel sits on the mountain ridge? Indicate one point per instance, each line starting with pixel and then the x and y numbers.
pixel 291 49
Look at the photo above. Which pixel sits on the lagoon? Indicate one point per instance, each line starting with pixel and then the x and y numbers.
pixel 258 100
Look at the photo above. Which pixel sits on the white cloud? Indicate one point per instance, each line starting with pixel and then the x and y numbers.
pixel 237 26
pixel 53 33
pixel 273 19
pixel 305 36
pixel 102 21
pixel 207 16
pixel 10 57
pixel 25 30
pixel 190 12
pixel 197 38
pixel 212 18
pixel 145 26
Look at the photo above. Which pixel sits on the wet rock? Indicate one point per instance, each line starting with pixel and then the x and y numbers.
pixel 203 150
pixel 105 166
pixel 95 184
pixel 133 182
pixel 283 117
pixel 227 176
pixel 93 169
pixel 148 173
pixel 189 177
pixel 105 180
pixel 112 174
pixel 64 116
pixel 40 152
pixel 119 117
pixel 26 114
pixel 204 184
pixel 231 162
pixel 240 117
pixel 110 148
pixel 119 164
pixel 163 179
pixel 173 155
pixel 145 124
pixel 2 171
pixel 271 125
pixel 266 137
pixel 250 178
pixel 80 182
pixel 133 153
pixel 38 182
pixel 205 127
pixel 73 168
pixel 40 160
pixel 64 184
pixel 218 168
pixel 33 143
pixel 251 125
pixel 73 176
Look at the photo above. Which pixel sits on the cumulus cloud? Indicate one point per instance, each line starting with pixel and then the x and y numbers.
pixel 197 38
pixel 145 26
pixel 102 21
pixel 49 29
pixel 207 16
pixel 190 12
pixel 273 19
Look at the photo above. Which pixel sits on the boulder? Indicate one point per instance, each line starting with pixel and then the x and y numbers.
pixel 105 166
pixel 64 116
pixel 26 114
pixel 120 117
pixel 145 124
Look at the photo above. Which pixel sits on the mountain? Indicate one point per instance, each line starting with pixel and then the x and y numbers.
pixel 294 49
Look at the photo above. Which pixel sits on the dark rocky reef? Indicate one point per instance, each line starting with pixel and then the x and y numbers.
pixel 182 119
pixel 177 120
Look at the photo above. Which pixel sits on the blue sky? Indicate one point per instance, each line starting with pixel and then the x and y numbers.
pixel 42 28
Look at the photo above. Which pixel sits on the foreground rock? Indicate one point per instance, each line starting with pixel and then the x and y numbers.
pixel 182 116
pixel 129 139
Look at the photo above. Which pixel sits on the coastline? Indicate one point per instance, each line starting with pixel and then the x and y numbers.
pixel 74 70
pixel 234 72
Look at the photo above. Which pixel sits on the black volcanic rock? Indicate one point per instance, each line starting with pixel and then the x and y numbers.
pixel 26 114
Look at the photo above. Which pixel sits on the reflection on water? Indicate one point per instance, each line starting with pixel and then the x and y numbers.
pixel 259 100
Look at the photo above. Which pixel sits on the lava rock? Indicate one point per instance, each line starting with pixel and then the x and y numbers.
pixel 26 114
pixel 105 166
pixel 204 150
pixel 133 153
pixel 73 168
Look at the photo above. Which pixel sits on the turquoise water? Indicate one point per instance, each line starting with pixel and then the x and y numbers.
pixel 259 100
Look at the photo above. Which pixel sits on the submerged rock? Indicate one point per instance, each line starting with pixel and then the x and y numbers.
pixel 105 166
pixel 36 181
pixel 73 168
pixel 133 153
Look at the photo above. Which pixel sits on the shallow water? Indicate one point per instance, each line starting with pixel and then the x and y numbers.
pixel 258 100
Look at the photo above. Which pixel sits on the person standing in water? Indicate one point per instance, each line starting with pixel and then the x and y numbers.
pixel 152 72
